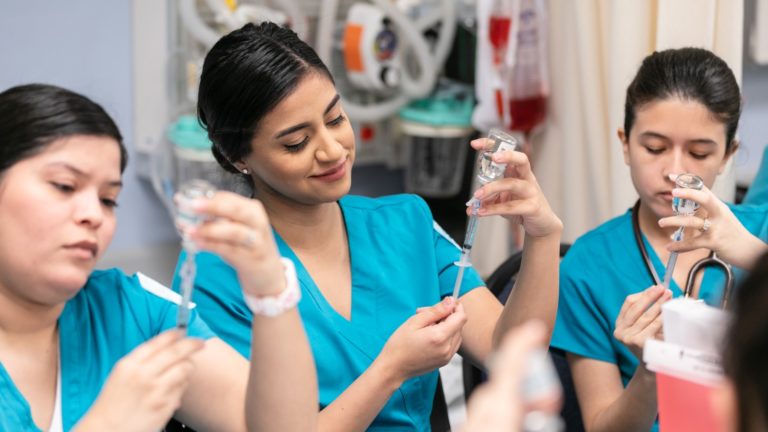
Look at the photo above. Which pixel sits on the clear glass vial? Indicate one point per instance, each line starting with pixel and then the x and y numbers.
pixel 683 206
pixel 497 141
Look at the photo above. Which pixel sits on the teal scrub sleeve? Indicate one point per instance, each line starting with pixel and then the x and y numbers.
pixel 581 328
pixel 218 297
pixel 158 310
pixel 758 190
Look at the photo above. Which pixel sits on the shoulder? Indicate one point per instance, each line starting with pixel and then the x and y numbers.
pixel 754 217
pixel 610 232
pixel 114 284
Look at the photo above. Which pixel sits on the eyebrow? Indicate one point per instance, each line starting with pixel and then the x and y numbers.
pixel 650 134
pixel 78 172
pixel 300 126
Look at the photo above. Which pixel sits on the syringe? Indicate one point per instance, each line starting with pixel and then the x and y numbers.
pixel 466 247
pixel 488 171
pixel 677 236
pixel 683 207
pixel 187 219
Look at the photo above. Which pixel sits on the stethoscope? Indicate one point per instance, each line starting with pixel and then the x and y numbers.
pixel 711 261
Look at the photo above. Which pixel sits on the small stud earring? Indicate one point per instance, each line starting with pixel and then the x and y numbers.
pixel 245 171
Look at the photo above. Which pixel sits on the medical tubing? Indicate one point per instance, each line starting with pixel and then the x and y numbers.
pixel 420 87
pixel 195 25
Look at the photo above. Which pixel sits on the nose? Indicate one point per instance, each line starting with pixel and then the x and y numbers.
pixel 330 149
pixel 89 210
pixel 676 163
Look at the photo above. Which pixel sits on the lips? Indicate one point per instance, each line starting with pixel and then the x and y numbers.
pixel 87 248
pixel 336 173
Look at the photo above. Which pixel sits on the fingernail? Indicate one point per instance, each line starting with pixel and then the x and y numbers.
pixel 479 193
pixel 448 301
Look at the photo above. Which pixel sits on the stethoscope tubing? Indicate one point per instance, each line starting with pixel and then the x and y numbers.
pixel 711 261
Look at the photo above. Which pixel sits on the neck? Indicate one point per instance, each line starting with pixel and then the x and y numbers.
pixel 649 225
pixel 303 226
pixel 21 318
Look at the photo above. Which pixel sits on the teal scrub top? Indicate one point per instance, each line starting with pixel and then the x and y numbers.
pixel 400 260
pixel 108 318
pixel 758 190
pixel 602 268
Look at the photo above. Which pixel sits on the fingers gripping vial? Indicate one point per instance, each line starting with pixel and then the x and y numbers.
pixel 683 207
pixel 186 219
pixel 488 171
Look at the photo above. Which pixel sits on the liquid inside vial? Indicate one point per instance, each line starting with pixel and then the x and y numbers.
pixel 498 141
pixel 186 217
pixel 682 206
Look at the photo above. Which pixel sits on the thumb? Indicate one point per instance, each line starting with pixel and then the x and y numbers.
pixel 436 313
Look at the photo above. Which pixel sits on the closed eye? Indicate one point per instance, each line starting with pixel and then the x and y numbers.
pixel 338 120
pixel 63 187
pixel 109 202
pixel 293 148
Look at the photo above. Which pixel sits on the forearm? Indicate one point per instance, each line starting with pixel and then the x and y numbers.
pixel 634 410
pixel 535 294
pixel 361 402
pixel 746 254
pixel 282 387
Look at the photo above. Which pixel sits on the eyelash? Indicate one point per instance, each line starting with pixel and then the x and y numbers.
pixel 656 151
pixel 65 188
pixel 294 148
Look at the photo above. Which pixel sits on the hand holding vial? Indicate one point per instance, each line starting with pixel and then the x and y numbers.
pixel 715 227
pixel 514 192
pixel 237 229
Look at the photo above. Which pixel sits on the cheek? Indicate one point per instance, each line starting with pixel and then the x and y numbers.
pixel 107 232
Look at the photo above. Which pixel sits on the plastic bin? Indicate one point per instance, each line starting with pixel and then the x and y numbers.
pixel 436 132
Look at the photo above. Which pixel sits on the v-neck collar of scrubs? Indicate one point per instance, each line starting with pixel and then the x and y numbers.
pixel 13 396
pixel 363 301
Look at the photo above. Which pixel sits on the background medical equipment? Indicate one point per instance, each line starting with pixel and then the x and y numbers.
pixel 436 131
pixel 681 207
pixel 187 219
pixel 489 171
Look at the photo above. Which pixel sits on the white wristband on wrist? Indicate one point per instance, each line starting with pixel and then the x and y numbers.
pixel 275 305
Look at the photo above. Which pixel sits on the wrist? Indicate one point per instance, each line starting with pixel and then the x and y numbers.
pixel 645 375
pixel 287 299
pixel 387 374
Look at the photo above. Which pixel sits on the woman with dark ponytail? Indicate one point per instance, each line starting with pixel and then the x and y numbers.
pixel 97 350
pixel 681 114
pixel 377 275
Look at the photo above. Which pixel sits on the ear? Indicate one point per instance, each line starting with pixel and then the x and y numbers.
pixel 624 144
pixel 242 167
pixel 735 144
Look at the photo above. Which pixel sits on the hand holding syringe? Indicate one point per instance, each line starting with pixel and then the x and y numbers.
pixel 683 207
pixel 488 171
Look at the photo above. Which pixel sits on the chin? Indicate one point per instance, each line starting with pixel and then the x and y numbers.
pixel 68 282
